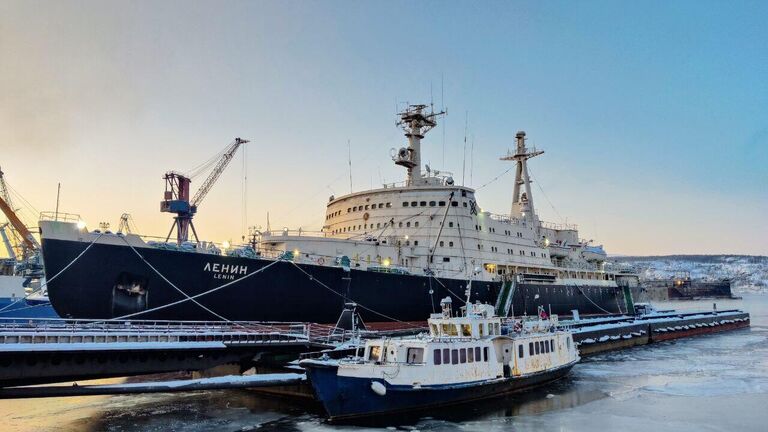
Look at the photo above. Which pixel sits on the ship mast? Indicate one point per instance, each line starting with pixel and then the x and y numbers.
pixel 416 123
pixel 522 200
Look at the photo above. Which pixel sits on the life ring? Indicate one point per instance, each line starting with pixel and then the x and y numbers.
pixel 321 261
pixel 366 216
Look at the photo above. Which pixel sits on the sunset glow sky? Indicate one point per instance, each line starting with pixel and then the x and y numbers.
pixel 653 115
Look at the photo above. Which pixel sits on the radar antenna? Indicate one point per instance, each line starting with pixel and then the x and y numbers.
pixel 416 123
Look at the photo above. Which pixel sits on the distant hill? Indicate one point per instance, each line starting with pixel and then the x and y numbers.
pixel 748 273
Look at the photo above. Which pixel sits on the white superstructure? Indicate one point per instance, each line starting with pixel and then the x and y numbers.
pixel 430 225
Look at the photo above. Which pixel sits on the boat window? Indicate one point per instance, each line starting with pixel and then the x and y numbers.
pixel 470 355
pixel 349 209
pixel 552 345
pixel 405 203
pixel 477 353
pixel 423 203
pixel 441 203
pixel 449 330
pixel 538 348
pixel 450 244
pixel 434 329
pixel 446 355
pixel 436 359
pixel 546 347
pixel 520 351
pixel 389 204
pixel 465 203
pixel 415 355
pixel 454 356
pixel 455 203
pixel 463 355
pixel 485 354
pixel 432 203
pixel 442 243
pixel 414 203
pixel 400 225
pixel 530 348
pixel 568 343
pixel 375 353
pixel 381 205
pixel 416 223
pixel 466 330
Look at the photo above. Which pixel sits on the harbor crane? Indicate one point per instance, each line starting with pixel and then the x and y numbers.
pixel 177 197
pixel 21 239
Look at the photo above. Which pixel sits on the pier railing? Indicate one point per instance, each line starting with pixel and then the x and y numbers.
pixel 53 330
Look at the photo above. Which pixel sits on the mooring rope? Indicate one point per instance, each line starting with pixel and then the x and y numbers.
pixel 187 297
pixel 311 277
pixel 47 281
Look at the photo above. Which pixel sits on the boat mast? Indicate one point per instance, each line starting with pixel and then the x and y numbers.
pixel 416 123
pixel 522 200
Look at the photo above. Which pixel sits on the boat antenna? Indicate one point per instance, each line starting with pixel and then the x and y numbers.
pixel 472 161
pixel 58 194
pixel 442 103
pixel 464 159
pixel 349 153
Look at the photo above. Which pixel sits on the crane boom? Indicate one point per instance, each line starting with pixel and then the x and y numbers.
pixel 176 199
pixel 18 225
pixel 217 170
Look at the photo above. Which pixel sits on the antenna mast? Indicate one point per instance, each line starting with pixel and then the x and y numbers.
pixel 522 201
pixel 416 123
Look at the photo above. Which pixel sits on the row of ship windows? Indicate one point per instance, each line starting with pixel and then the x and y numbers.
pixel 459 355
pixel 509 251
pixel 389 205
pixel 539 347
pixel 493 230
pixel 431 204
pixel 359 208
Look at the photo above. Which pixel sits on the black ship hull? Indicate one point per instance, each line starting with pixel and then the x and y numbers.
pixel 112 281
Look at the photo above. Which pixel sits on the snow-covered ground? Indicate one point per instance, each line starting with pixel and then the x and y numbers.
pixel 747 273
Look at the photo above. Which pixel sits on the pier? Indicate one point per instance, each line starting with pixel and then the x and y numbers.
pixel 56 350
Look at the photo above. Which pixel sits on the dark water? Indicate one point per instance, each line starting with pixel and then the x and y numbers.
pixel 710 383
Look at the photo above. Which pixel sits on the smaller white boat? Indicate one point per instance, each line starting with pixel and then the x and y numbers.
pixel 462 359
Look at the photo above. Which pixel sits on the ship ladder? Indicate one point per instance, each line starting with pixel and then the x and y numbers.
pixel 504 301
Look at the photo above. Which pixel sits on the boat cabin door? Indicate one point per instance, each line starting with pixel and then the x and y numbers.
pixel 506 358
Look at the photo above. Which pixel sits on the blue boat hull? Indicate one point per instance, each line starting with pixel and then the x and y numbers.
pixel 347 399
pixel 25 309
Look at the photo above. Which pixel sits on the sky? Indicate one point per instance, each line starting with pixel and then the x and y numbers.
pixel 653 115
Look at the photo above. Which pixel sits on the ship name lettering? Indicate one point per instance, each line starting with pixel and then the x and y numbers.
pixel 226 268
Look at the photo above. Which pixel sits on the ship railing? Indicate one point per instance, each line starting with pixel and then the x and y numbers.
pixel 559 226
pixel 59 216
pixel 506 219
pixel 60 325
pixel 294 232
